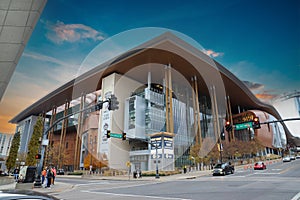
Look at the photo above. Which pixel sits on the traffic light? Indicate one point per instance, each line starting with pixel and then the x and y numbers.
pixel 228 126
pixel 113 103
pixel 256 123
pixel 222 135
pixel 38 156
pixel 108 133
pixel 123 136
pixel 98 106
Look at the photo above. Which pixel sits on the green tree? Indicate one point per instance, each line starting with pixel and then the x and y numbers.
pixel 34 143
pixel 13 153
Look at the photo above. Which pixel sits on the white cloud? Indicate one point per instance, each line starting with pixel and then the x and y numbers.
pixel 60 32
pixel 44 58
pixel 212 53
pixel 61 71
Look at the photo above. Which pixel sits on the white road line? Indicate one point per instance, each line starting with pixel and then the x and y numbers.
pixel 296 197
pixel 134 195
pixel 118 187
pixel 272 173
pixel 92 183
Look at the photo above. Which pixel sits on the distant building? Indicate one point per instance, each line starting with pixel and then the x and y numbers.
pixel 25 128
pixel 288 106
pixel 17 21
pixel 5 144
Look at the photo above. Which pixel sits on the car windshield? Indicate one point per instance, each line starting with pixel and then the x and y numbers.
pixel 219 165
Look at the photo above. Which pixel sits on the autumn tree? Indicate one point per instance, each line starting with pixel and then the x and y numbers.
pixel 96 163
pixel 195 152
pixel 34 143
pixel 13 153
pixel 52 157
pixel 205 153
pixel 240 148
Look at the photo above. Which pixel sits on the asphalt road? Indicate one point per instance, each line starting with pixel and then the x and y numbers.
pixel 281 181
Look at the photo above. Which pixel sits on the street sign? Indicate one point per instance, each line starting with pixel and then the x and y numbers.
pixel 116 135
pixel 243 126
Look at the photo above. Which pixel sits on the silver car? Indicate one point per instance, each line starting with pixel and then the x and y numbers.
pixel 286 159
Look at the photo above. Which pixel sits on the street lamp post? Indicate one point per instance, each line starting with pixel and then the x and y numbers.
pixel 92 149
pixel 156 153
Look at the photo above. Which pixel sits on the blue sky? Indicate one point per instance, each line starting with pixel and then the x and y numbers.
pixel 257 40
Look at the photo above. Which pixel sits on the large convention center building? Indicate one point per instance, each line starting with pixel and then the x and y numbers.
pixel 171 96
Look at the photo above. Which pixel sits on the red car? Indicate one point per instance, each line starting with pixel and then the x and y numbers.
pixel 259 165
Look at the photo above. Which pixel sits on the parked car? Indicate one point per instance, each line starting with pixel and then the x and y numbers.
pixel 259 165
pixel 286 159
pixel 60 172
pixel 298 157
pixel 223 169
pixel 292 158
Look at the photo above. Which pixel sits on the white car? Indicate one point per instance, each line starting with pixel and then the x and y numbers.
pixel 286 159
pixel 292 158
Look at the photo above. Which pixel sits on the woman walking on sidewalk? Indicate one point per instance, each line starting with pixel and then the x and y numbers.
pixel 44 174
pixel 54 175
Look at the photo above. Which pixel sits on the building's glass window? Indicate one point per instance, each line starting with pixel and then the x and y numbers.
pixel 154 118
pixel 297 99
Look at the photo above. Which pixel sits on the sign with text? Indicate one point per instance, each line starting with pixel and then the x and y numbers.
pixel 243 126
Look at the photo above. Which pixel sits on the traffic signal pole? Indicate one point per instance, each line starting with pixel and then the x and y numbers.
pixel 281 120
pixel 45 134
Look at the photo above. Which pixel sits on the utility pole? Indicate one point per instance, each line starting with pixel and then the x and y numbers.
pixel 98 106
pixel 156 153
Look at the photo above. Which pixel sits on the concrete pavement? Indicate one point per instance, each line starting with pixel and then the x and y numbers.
pixel 60 187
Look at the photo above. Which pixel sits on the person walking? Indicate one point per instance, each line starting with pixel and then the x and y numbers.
pixel 54 175
pixel 16 174
pixel 44 174
pixel 49 177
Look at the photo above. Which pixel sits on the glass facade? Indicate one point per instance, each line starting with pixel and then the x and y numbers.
pixel 150 117
pixel 297 101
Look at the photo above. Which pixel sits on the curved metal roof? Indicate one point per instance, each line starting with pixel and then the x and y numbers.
pixel 164 49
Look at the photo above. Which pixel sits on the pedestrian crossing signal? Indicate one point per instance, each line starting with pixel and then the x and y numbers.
pixel 108 133
pixel 123 136
pixel 38 156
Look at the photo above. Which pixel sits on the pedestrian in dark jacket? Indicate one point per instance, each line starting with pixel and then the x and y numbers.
pixel 49 176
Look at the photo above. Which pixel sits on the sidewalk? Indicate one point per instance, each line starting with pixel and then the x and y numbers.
pixel 59 187
pixel 189 175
